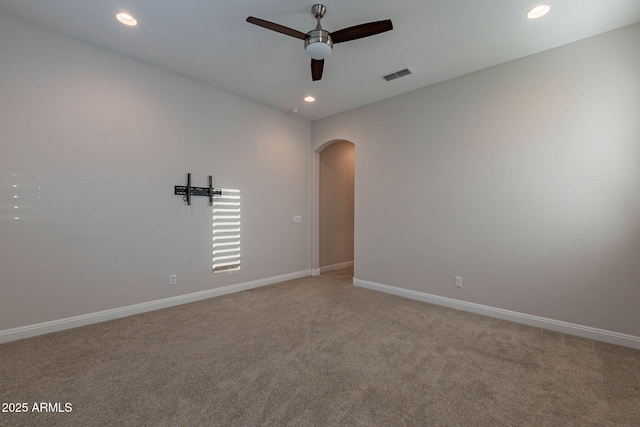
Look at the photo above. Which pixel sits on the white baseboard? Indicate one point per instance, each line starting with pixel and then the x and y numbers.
pixel 101 316
pixel 328 268
pixel 315 272
pixel 526 319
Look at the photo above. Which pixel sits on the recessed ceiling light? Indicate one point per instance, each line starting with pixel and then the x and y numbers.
pixel 309 99
pixel 538 11
pixel 126 19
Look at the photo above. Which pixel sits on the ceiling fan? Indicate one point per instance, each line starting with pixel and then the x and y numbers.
pixel 319 43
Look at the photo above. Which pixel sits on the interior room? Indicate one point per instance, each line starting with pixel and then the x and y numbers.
pixel 462 173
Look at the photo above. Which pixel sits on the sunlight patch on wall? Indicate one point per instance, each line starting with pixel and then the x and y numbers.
pixel 226 232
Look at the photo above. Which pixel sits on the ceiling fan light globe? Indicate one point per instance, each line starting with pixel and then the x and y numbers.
pixel 318 50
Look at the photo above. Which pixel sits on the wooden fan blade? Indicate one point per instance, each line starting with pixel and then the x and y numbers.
pixel 277 28
pixel 317 65
pixel 360 31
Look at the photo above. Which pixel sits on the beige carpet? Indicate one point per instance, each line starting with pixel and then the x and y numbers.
pixel 318 351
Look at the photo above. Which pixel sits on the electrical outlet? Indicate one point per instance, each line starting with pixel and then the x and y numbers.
pixel 173 279
pixel 297 219
pixel 458 281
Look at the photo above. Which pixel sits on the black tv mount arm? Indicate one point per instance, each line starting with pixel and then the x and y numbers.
pixel 188 191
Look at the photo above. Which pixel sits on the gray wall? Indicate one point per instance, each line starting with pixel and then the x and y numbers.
pixel 336 204
pixel 522 178
pixel 94 143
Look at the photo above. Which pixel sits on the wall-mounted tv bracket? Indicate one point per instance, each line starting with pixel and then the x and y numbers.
pixel 188 191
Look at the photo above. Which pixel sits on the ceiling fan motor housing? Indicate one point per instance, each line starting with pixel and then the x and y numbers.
pixel 318 44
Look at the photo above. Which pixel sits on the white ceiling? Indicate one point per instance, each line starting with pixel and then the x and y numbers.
pixel 210 41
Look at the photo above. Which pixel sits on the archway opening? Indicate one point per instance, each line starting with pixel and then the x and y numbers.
pixel 335 206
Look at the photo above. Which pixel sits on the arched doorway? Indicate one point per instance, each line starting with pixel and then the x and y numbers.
pixel 334 191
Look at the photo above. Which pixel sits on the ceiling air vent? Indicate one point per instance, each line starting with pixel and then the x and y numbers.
pixel 397 74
